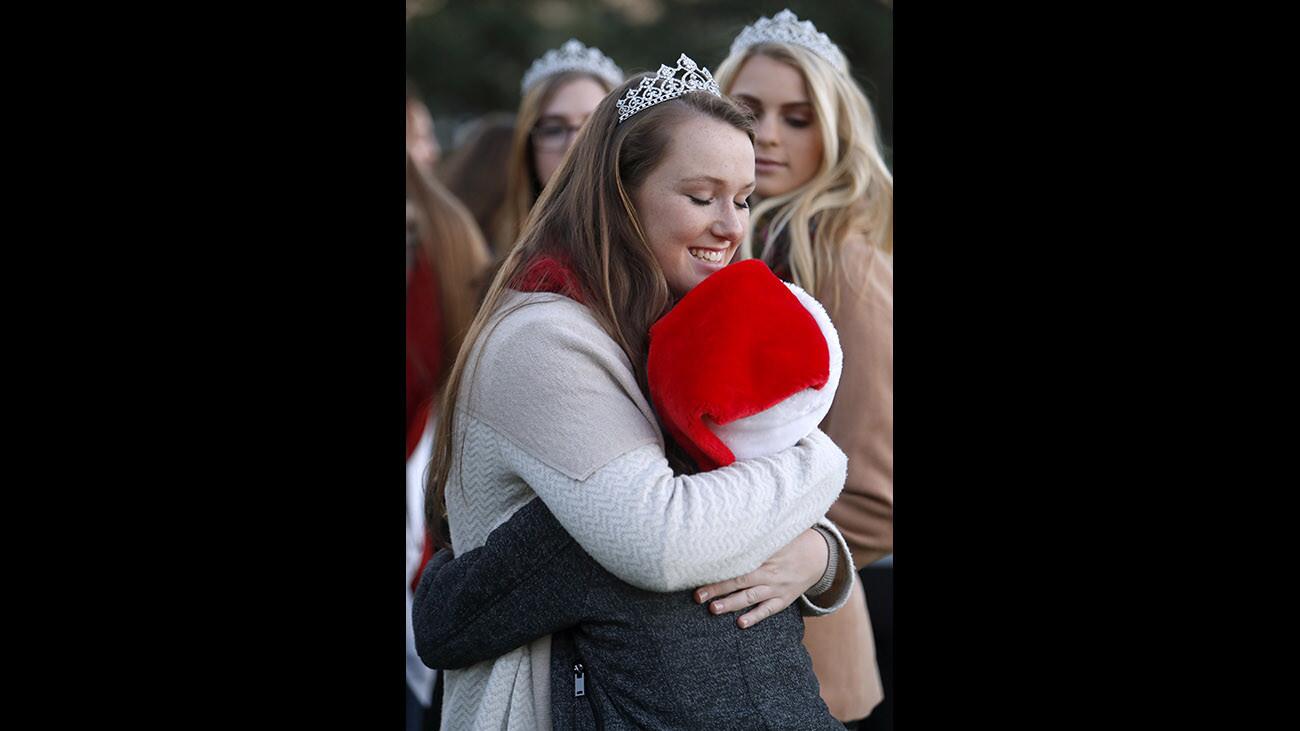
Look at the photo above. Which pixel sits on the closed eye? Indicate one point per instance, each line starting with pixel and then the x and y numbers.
pixel 743 204
pixel 699 202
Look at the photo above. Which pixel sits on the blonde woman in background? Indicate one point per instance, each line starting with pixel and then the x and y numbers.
pixel 825 222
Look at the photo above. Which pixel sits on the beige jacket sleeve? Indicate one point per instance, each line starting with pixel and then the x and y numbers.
pixel 861 419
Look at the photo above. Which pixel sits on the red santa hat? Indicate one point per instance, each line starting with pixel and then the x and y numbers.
pixel 743 366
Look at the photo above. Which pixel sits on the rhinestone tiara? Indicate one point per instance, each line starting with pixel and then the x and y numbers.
pixel 572 56
pixel 669 83
pixel 785 27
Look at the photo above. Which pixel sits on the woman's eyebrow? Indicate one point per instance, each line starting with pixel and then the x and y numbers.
pixel 751 101
pixel 710 179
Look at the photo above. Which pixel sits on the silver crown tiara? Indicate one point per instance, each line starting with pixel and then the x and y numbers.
pixel 572 56
pixel 669 83
pixel 784 27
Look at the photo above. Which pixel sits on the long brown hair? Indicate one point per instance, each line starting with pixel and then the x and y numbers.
pixel 450 242
pixel 586 219
pixel 522 183
pixel 475 172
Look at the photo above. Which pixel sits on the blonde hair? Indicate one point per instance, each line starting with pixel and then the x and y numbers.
pixel 522 183
pixel 852 190
pixel 586 220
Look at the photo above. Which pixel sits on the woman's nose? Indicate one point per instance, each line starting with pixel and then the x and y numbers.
pixel 729 226
pixel 765 133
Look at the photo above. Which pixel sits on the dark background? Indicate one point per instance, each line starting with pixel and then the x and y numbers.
pixel 467 57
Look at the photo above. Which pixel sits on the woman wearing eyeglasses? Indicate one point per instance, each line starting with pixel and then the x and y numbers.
pixel 560 90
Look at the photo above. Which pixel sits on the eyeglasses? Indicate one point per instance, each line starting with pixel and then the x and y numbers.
pixel 553 136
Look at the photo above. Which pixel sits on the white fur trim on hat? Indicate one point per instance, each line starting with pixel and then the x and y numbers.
pixel 784 424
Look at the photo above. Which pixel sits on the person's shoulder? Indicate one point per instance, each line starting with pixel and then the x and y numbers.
pixel 536 309
pixel 536 319
pixel 534 337
pixel 858 257
pixel 547 377
pixel 863 271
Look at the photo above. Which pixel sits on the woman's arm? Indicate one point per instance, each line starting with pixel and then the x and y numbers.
pixel 571 421
pixel 530 579
pixel 663 533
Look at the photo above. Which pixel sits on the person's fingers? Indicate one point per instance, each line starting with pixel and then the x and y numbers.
pixel 737 601
pixel 762 612
pixel 722 588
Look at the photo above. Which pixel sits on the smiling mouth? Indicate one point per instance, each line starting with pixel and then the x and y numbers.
pixel 713 256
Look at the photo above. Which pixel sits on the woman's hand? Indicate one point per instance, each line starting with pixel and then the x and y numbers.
pixel 773 586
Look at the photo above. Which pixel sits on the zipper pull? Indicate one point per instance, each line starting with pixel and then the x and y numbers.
pixel 579 681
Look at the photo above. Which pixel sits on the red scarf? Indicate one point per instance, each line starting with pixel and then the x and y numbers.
pixel 424 362
pixel 549 273
pixel 424 347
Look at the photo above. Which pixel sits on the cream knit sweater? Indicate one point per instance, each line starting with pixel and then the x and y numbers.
pixel 550 407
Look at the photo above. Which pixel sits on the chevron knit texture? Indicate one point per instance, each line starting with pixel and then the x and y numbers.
pixel 551 408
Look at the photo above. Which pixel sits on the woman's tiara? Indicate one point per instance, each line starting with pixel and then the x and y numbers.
pixel 572 56
pixel 669 83
pixel 785 27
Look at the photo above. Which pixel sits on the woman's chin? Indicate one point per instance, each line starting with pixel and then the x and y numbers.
pixel 769 188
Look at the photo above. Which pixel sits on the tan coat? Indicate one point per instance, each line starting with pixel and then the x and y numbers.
pixel 861 422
